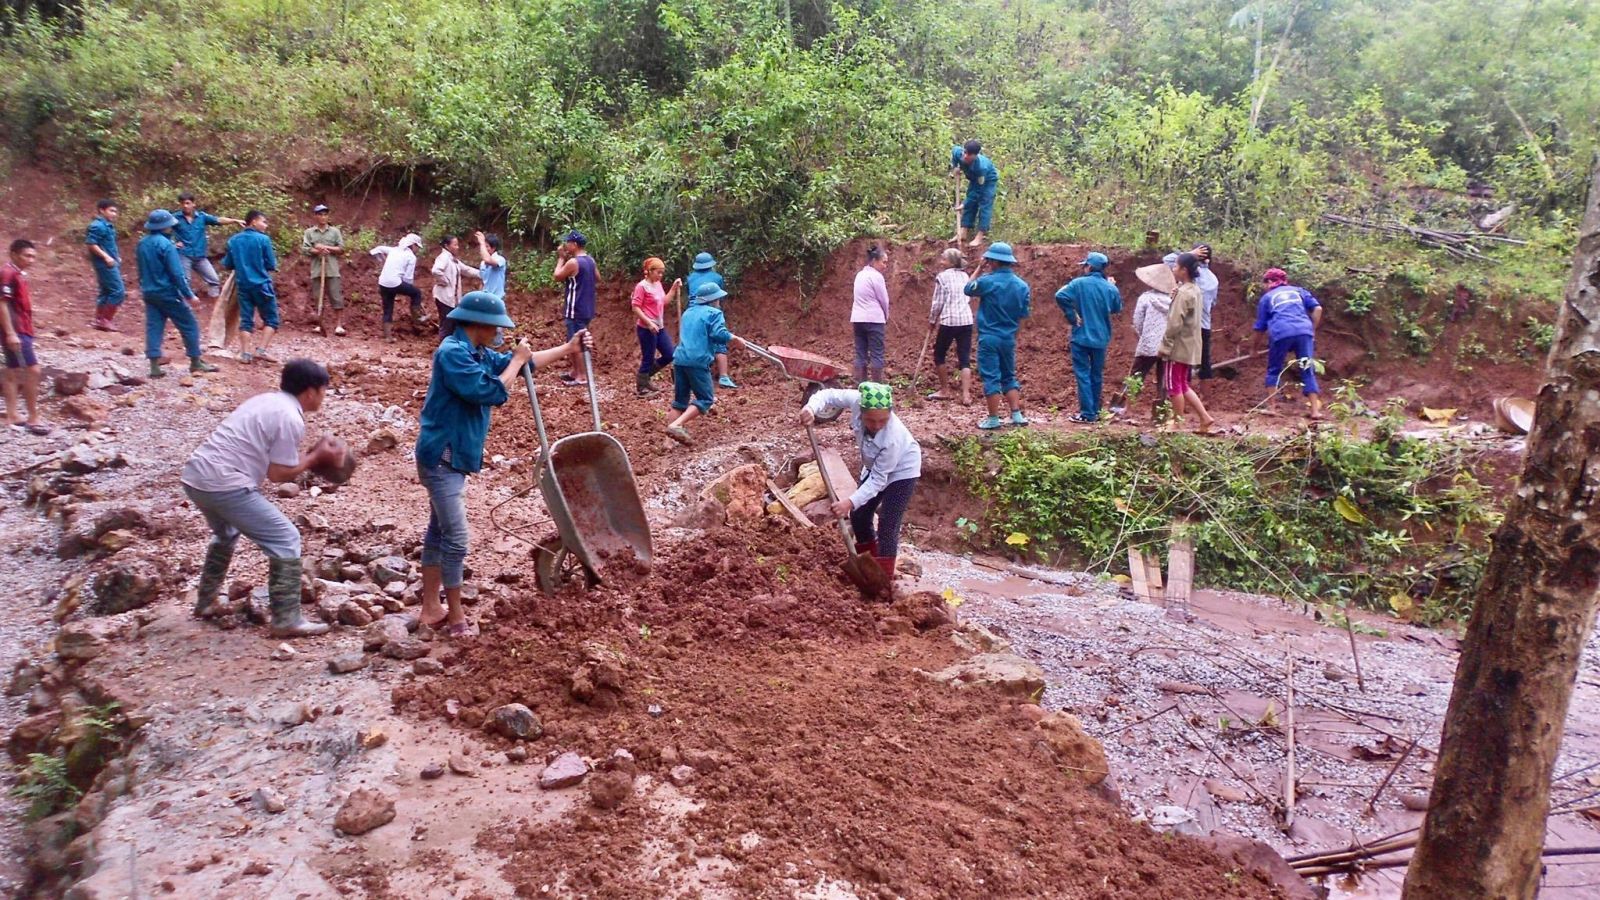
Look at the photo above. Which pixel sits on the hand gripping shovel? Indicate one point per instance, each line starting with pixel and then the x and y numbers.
pixel 861 567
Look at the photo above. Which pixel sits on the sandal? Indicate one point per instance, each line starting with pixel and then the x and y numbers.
pixel 339 332
pixel 40 429
pixel 681 435
pixel 458 630
pixel 1082 419
pixel 939 395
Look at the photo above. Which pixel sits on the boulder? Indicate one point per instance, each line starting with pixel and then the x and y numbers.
pixel 1006 672
pixel 609 790
pixel 565 771
pixel 80 641
pixel 92 522
pixel 131 583
pixel 363 811
pixel 1075 751
pixel 81 459
pixel 32 735
pixel 381 440
pixel 381 632
pixel 514 721
pixel 85 410
pixel 408 648
pixel 426 666
pixel 69 384
pixel 975 638
pixel 741 492
pixel 353 614
pixel 391 570
pixel 345 663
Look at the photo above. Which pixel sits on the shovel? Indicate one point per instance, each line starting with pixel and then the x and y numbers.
pixel 861 567
pixel 1228 368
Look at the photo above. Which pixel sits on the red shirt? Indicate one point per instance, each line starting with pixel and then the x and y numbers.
pixel 14 291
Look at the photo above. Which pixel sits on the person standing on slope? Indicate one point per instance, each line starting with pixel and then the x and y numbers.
pixel 1180 346
pixel 1288 316
pixel 1004 300
pixel 1088 302
pixel 983 185
pixel 101 239
pixel 324 243
pixel 869 315
pixel 576 267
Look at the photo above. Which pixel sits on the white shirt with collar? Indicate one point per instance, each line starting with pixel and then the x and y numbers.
pixel 890 455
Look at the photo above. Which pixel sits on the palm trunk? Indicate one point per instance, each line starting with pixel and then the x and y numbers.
pixel 1485 831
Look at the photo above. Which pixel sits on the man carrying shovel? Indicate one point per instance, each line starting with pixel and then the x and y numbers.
pixel 324 243
pixel 891 463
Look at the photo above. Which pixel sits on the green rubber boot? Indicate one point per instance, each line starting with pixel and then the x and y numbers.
pixel 155 369
pixel 283 595
pixel 212 573
pixel 200 366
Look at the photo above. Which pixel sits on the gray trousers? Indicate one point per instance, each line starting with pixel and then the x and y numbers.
pixel 246 511
pixel 201 266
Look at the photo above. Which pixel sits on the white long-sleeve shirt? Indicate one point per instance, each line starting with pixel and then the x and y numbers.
pixel 399 266
pixel 871 297
pixel 890 455
pixel 1150 322
pixel 447 274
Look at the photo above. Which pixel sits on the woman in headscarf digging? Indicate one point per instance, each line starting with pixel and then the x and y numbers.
pixel 891 463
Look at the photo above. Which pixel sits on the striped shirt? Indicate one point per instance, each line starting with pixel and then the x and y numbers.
pixel 950 304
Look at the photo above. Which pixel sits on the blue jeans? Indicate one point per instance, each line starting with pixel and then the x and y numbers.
pixel 655 349
pixel 695 381
pixel 1303 346
pixel 1088 365
pixel 257 297
pixel 869 344
pixel 576 325
pixel 997 365
pixel 157 312
pixel 202 266
pixel 109 282
pixel 245 511
pixel 978 208
pixel 444 542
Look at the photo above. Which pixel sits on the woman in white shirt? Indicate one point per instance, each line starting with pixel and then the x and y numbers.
pixel 399 271
pixel 448 270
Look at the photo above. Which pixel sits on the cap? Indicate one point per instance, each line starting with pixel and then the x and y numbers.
pixel 575 236
pixel 1274 276
pixel 1096 261
pixel 320 208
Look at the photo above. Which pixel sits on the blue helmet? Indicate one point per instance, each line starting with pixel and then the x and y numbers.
pixel 704 262
pixel 1000 251
pixel 710 292
pixel 483 308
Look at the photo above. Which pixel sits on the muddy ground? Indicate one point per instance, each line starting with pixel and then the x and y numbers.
pixel 820 762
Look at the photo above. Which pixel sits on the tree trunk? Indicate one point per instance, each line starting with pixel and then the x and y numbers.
pixel 1485 831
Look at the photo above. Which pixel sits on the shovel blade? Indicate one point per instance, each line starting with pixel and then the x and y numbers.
pixel 867 574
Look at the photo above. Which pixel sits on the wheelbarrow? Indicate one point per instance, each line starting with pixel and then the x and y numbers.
pixel 815 372
pixel 589 489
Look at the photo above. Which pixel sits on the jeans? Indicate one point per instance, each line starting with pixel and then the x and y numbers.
pixel 576 325
pixel 869 344
pixel 655 349
pixel 997 365
pixel 890 508
pixel 444 542
pixel 201 266
pixel 1303 346
pixel 1088 367
pixel 257 297
pixel 246 511
pixel 109 281
pixel 1205 354
pixel 157 312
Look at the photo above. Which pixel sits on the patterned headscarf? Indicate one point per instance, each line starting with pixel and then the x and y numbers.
pixel 875 395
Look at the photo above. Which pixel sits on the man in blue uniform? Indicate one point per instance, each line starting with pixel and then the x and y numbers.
pixel 164 285
pixel 983 183
pixel 1088 302
pixel 1004 300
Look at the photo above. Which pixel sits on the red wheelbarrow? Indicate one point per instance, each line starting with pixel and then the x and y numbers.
pixel 815 372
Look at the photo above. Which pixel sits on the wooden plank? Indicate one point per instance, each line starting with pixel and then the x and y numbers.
pixel 1152 576
pixel 788 507
pixel 844 481
pixel 1180 571
pixel 1141 587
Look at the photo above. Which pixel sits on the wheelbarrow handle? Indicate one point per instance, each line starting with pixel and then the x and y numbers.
pixel 762 352
pixel 594 399
pixel 538 416
pixel 833 496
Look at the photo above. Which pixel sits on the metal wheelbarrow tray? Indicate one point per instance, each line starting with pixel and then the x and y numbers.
pixel 817 372
pixel 588 486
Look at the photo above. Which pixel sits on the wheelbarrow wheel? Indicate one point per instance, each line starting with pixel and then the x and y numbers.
pixel 556 568
pixel 812 387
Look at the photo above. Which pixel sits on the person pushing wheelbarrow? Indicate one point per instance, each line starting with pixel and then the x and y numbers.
pixel 891 463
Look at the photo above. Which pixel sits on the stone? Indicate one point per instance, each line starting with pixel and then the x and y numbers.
pixel 32 735
pixel 288 490
pixel 69 384
pixel 373 738
pixel 975 638
pixel 426 666
pixel 394 590
pixel 381 440
pixel 353 614
pixel 432 771
pixel 566 770
pixel 469 594
pixel 705 761
pixel 741 492
pixel 352 572
pixel 345 663
pixel 390 570
pixel 386 629
pixel 681 775
pixel 363 811
pixel 514 721
pixel 1075 750
pixel 702 516
pixel 462 766
pixel 1006 672
pixel 406 648
pixel 622 761
pixel 1259 857
pixel 79 641
pixel 517 754
pixel 85 410
pixel 1414 801
pixel 609 790
pixel 81 459
pixel 131 583
pixel 284 653
pixel 269 801
pixel 1221 790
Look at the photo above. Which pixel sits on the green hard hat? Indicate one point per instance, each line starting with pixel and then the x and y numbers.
pixel 483 308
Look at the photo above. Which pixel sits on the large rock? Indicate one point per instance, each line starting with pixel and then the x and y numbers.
pixel 740 491
pixel 85 410
pixel 69 384
pixel 128 583
pixel 407 648
pixel 80 641
pixel 81 459
pixel 345 663
pixel 381 440
pixel 381 632
pixel 1077 752
pixel 92 522
pixel 1006 672
pixel 32 735
pixel 353 614
pixel 363 811
pixel 514 721
pixel 391 569
pixel 567 770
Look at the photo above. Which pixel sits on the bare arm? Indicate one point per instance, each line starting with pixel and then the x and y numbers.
pixel 278 473
pixel 1316 318
pixel 10 330
pixel 565 268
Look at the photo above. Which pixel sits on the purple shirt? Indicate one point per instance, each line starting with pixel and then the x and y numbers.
pixel 1285 311
pixel 872 297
